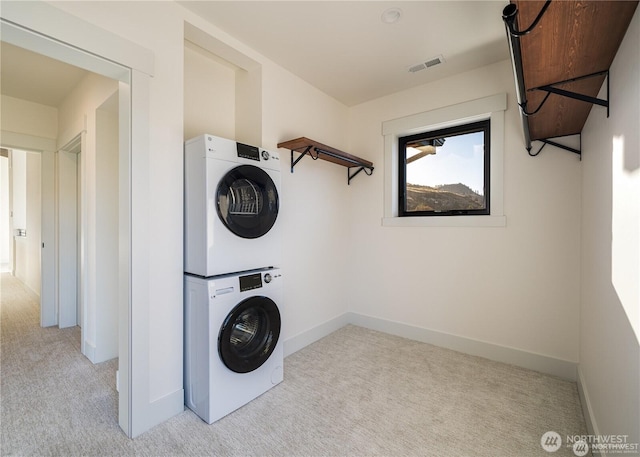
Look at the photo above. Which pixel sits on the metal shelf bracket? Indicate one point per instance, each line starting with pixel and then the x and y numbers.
pixel 551 89
pixel 547 141
pixel 310 150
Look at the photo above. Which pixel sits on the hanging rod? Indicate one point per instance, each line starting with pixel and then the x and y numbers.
pixel 509 16
pixel 356 163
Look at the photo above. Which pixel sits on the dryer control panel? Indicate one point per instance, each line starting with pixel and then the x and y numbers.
pixel 257 280
pixel 248 152
pixel 250 282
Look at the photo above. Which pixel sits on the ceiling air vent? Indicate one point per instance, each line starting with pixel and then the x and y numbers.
pixel 426 64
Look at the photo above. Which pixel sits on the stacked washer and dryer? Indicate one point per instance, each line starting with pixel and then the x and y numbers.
pixel 233 283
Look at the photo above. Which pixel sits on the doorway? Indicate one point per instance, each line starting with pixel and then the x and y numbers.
pixel 73 227
pixel 21 221
pixel 44 28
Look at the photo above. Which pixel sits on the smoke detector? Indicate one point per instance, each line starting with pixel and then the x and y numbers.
pixel 428 63
pixel 391 15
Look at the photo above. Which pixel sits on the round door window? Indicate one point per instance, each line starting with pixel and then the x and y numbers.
pixel 247 201
pixel 249 334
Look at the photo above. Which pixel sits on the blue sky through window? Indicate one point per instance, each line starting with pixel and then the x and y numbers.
pixel 459 160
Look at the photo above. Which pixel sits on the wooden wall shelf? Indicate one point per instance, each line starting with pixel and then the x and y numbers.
pixel 317 150
pixel 564 49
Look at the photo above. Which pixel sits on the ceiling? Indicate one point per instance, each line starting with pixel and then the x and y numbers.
pixel 341 47
pixel 34 77
pixel 345 49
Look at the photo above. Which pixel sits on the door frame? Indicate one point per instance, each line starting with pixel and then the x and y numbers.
pixel 67 308
pixel 47 30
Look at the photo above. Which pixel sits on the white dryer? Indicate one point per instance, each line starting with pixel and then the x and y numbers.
pixel 232 199
pixel 233 351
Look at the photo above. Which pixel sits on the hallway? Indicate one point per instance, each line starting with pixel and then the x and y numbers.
pixel 47 384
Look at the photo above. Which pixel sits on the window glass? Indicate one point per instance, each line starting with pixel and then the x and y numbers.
pixel 445 172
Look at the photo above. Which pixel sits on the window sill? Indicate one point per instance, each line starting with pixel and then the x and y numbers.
pixel 445 221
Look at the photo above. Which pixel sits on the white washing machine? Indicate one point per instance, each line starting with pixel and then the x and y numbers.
pixel 232 199
pixel 233 351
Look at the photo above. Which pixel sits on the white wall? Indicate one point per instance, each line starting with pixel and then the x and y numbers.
pixel 610 308
pixel 107 242
pixel 5 231
pixel 29 118
pixel 515 286
pixel 33 213
pixel 315 201
pixel 209 94
pixel 26 206
pixel 19 177
pixel 78 113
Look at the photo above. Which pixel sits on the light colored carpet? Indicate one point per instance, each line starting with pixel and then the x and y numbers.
pixel 356 392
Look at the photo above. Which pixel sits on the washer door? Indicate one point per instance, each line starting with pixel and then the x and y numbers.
pixel 249 334
pixel 247 201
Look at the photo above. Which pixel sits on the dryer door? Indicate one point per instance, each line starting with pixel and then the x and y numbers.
pixel 249 334
pixel 247 201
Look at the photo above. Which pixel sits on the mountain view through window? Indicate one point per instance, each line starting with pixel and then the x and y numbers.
pixel 445 174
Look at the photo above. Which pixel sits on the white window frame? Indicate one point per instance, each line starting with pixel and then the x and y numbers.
pixel 493 108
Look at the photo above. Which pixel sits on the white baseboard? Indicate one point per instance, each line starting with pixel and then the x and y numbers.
pixel 33 295
pixel 89 351
pixel 92 353
pixel 158 411
pixel 545 364
pixel 299 341
pixel 585 401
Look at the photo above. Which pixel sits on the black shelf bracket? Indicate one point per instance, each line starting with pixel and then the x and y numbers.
pixel 551 89
pixel 310 150
pixel 306 151
pixel 547 141
pixel 367 170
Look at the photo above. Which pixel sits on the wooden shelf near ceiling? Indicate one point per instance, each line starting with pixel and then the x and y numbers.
pixel 573 39
pixel 306 146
